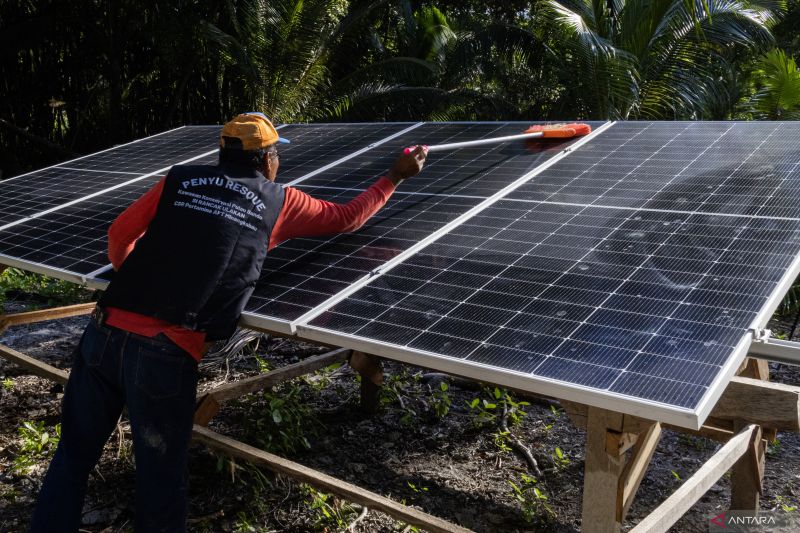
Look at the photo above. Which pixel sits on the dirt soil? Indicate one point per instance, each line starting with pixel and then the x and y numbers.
pixel 458 466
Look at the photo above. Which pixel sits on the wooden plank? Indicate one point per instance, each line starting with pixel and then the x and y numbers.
pixel 634 470
pixel 601 474
pixel 40 315
pixel 206 410
pixel 666 514
pixel 34 366
pixel 747 475
pixel 237 389
pixel 322 481
pixel 763 403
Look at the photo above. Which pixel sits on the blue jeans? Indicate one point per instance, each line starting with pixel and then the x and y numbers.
pixel 157 381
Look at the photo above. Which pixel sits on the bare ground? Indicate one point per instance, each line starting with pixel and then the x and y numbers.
pixel 457 467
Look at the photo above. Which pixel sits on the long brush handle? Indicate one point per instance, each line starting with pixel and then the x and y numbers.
pixel 481 142
pixel 552 131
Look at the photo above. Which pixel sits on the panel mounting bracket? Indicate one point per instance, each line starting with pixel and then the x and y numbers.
pixel 777 350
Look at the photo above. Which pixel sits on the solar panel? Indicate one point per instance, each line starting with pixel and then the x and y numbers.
pixel 564 289
pixel 72 238
pixel 303 273
pixel 151 153
pixel 314 146
pixel 628 273
pixel 42 190
pixel 477 171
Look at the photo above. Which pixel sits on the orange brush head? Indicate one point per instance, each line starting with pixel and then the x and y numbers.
pixel 560 131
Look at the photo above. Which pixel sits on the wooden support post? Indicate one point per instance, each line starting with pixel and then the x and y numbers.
pixel 40 315
pixel 323 481
pixel 34 366
pixel 666 514
pixel 602 472
pixel 369 367
pixel 747 474
pixel 634 470
pixel 754 368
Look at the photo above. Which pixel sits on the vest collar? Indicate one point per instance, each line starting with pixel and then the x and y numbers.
pixel 240 171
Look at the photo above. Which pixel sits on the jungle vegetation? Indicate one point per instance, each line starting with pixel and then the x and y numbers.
pixel 80 76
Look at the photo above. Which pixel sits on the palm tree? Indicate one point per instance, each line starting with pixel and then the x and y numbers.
pixel 661 58
pixel 778 98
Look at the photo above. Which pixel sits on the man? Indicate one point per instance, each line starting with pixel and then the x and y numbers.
pixel 187 254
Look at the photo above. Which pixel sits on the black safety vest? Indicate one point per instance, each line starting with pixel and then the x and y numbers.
pixel 201 256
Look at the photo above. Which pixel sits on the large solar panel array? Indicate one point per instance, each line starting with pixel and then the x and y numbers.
pixel 626 270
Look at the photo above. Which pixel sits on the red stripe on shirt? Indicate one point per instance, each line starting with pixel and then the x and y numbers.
pixel 301 216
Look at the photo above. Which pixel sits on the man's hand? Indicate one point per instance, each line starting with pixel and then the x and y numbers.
pixel 407 165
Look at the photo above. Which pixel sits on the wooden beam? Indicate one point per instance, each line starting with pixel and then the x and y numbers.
pixel 206 409
pixel 601 474
pixel 666 514
pixel 237 389
pixel 40 315
pixel 323 481
pixel 635 468
pixel 763 403
pixel 747 475
pixel 34 366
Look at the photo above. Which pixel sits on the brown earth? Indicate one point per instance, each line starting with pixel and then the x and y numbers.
pixel 455 467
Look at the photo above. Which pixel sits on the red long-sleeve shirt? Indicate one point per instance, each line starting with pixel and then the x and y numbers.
pixel 301 216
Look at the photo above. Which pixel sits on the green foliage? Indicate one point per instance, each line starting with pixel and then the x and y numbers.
pixel 8 384
pixel 263 364
pixel 37 445
pixel 440 400
pixel 328 511
pixel 49 291
pixel 774 447
pixel 400 389
pixel 532 498
pixel 279 422
pixel 417 489
pixel 676 475
pixel 661 59
pixel 778 96
pixel 493 404
pixel 560 459
pixel 785 504
pixel 367 60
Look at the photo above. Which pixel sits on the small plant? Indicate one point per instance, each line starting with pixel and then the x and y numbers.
pixel 560 459
pixel 501 440
pixel 321 379
pixel 394 390
pixel 500 401
pixel 330 512
pixel 8 384
pixel 37 444
pixel 532 499
pixel 413 487
pixel 441 401
pixel 784 504
pixel 676 475
pixel 280 422
pixel 263 364
pixel 774 447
